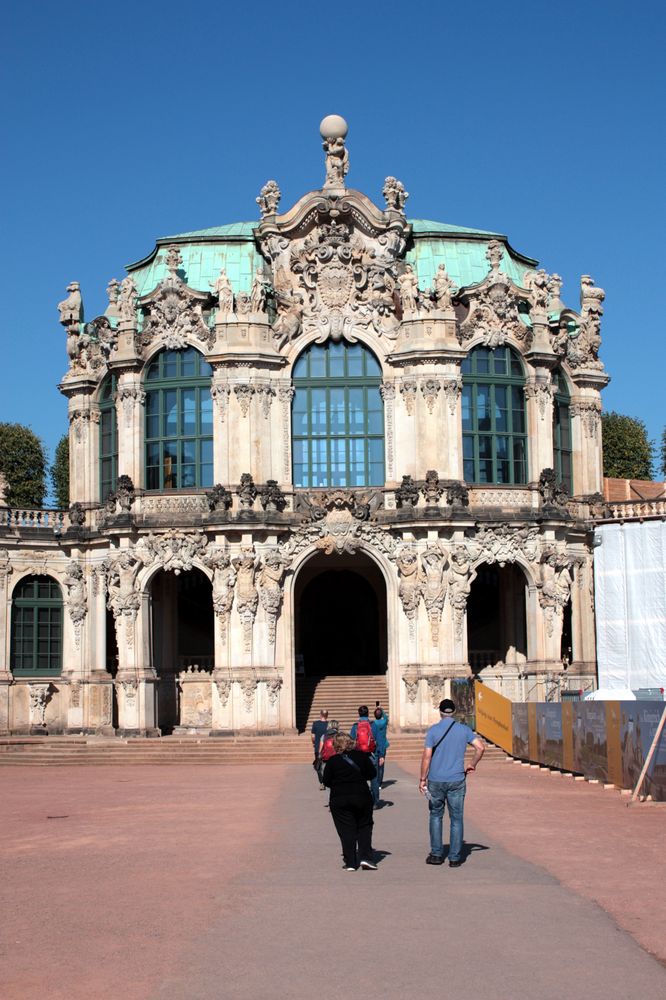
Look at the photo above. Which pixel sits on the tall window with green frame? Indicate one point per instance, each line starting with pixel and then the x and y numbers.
pixel 179 421
pixel 108 437
pixel 493 417
pixel 338 417
pixel 562 462
pixel 36 644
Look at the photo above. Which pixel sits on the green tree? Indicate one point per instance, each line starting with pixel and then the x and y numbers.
pixel 23 464
pixel 627 448
pixel 60 473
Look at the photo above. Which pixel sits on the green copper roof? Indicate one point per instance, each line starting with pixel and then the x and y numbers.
pixel 465 261
pixel 232 247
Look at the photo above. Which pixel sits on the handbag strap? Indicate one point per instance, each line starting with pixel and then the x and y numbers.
pixel 442 738
pixel 352 762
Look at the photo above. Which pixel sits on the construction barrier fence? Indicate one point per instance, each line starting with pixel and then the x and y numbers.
pixel 607 740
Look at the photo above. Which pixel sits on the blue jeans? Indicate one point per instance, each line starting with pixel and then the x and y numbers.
pixel 451 793
pixel 378 779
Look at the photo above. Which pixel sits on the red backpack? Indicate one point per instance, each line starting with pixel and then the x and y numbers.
pixel 327 749
pixel 365 740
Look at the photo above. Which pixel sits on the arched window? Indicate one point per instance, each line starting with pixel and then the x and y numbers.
pixel 36 648
pixel 493 417
pixel 108 437
pixel 562 430
pixel 338 417
pixel 179 421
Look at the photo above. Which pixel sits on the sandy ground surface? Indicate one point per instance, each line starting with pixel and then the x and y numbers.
pixel 166 883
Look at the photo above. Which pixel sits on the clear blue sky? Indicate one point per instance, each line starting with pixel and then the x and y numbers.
pixel 129 121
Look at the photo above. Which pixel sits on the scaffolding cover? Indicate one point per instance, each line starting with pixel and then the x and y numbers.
pixel 630 598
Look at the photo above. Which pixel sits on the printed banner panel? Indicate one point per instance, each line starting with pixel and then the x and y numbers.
pixel 493 717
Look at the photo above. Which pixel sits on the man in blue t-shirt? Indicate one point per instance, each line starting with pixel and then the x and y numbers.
pixel 443 780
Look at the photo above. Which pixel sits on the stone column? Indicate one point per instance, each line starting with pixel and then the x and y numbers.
pixel 130 411
pixel 5 616
pixel 220 391
pixel 586 439
pixel 539 411
pixel 83 448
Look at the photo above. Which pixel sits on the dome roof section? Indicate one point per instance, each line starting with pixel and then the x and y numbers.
pixel 233 247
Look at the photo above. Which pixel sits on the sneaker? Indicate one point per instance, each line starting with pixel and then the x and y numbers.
pixel 455 864
pixel 369 865
pixel 434 859
pixel 349 868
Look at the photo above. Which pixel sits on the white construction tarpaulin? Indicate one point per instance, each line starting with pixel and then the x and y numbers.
pixel 630 599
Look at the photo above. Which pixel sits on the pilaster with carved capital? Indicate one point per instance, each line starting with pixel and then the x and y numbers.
pixel 130 410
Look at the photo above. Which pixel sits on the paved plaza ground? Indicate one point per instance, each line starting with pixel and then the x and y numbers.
pixel 194 882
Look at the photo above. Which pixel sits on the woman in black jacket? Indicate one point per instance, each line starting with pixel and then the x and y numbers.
pixel 347 775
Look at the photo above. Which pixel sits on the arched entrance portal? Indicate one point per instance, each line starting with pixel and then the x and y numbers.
pixel 341 637
pixel 182 634
pixel 496 617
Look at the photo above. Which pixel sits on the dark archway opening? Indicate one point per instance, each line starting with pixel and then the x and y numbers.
pixel 341 640
pixel 183 635
pixel 496 617
pixel 566 647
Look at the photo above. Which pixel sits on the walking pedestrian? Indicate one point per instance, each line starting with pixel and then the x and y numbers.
pixel 363 735
pixel 379 727
pixel 347 774
pixel 317 733
pixel 443 780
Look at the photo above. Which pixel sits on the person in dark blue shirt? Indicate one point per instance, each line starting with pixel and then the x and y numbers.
pixel 317 733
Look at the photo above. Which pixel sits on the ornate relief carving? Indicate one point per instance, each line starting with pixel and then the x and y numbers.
pixel 452 390
pixel 77 601
pixel 494 306
pixel 248 688
pixel 174 504
pixel 39 695
pixel 410 585
pixel 121 568
pixel 129 687
pixel 219 393
pixel 436 689
pixel 460 578
pixel 77 515
pixel 270 588
pixel 556 582
pixel 433 567
pixel 267 393
pixel 338 530
pixel 273 690
pixel 90 347
pixel 127 300
pixel 542 392
pixel 504 543
pixel 244 391
pixel 430 387
pixel 247 597
pixel 411 689
pixel 223 685
pixel 74 694
pixel 174 311
pixel 408 392
pixel 5 568
pixel 224 581
pixel 121 499
pixel 582 347
pixel 175 551
pixel 127 396
pixel 589 411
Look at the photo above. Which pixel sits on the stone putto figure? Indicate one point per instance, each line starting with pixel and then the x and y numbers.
pixel 225 296
pixel 247 597
pixel 112 311
pixel 269 199
pixel 333 130
pixel 409 588
pixel 71 308
pixel 270 587
pixel 444 289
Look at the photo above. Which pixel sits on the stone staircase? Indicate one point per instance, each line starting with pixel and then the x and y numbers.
pixel 341 695
pixel 51 751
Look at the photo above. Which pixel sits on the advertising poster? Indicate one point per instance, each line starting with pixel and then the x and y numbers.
pixel 589 739
pixel 567 736
pixel 549 734
pixel 532 730
pixel 613 748
pixel 462 693
pixel 493 717
pixel 638 723
pixel 521 733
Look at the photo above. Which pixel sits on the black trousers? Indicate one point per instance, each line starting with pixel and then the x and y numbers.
pixel 352 815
